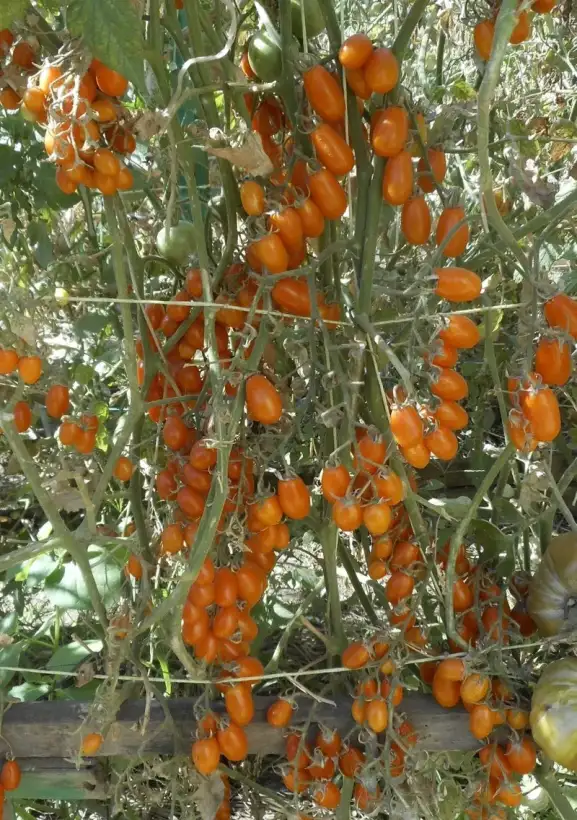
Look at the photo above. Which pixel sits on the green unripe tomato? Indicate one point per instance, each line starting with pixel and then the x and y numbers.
pixel 178 244
pixel 314 19
pixel 264 56
pixel 554 712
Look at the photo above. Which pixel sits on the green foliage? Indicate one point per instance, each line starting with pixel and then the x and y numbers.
pixel 113 32
pixel 11 11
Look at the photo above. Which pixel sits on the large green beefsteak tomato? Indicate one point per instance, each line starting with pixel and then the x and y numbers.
pixel 552 600
pixel 554 712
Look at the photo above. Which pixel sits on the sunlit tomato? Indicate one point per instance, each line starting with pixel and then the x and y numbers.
pixel 172 539
pixel 324 94
pixel 263 401
pixel 351 761
pixel 377 517
pixel 252 197
pixel 381 71
pixel 30 369
pixel 311 217
pixel 110 82
pixel 174 433
pixel 335 481
pixel 449 385
pixel 474 688
pixel 444 355
pixel 442 443
pixel 294 497
pixel 398 178
pixel 332 150
pixel 377 715
pixel 457 284
pixel 347 514
pixel 355 51
pixel 389 486
pixel 292 295
pixel 561 313
pixel 356 80
pixel 289 226
pixel 481 720
pixel 91 743
pixel 461 332
pixel 390 132
pixel 448 221
pixel 553 361
pixel 399 587
pixel 446 692
pixel 134 567
pixel 522 30
pixel 438 165
pixel 405 554
pixel 327 194
pixel 327 795
pixel 206 755
pixel 416 220
pixel 406 425
pixel 251 581
pixel 225 587
pixel 483 35
pixel 418 455
pixel 233 742
pixel 8 361
pixel 123 469
pixel 542 409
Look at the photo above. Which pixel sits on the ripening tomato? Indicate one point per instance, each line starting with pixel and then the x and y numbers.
pixel 460 332
pixel 357 82
pixel 233 742
pixel 206 755
pixel 438 165
pixel 521 756
pixel 377 715
pixel 493 758
pixel 553 361
pixel 381 71
pixel 280 713
pixel 377 517
pixel 481 720
pixel 312 218
pixel 442 443
pixel 446 692
pixel 174 433
pixel 225 587
pixel 263 401
pixel 110 82
pixel 405 555
pixel 444 355
pixel 324 94
pixel 8 361
pixel 351 761
pixel 30 369
pixel 272 253
pixel 22 416
pixel 347 514
pixel 542 410
pixel 451 415
pixel 327 194
pixel 399 586
pixel 289 226
pixel 355 51
pixel 91 743
pixel 448 221
pixel 389 486
pixel 191 502
pixel 449 385
pixel 406 425
pixel 294 497
pixel 10 775
pixel 416 220
pixel 543 6
pixel 398 178
pixel 335 481
pixel 252 197
pixel 172 539
pixel 418 455
pixel 457 284
pixel 327 795
pixel 239 703
pixel 390 132
pixel 522 30
pixel 123 469
pixel 332 150
pixel 372 450
pixel 483 35
pixel 561 312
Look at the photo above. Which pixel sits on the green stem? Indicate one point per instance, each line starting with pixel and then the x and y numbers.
pixel 68 540
pixel 505 24
pixel 364 599
pixel 440 57
pixel 459 535
pixel 329 535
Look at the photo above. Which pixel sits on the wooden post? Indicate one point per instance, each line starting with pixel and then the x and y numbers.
pixel 53 729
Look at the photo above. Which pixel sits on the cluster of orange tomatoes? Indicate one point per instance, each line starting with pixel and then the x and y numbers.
pixel 87 133
pixel 484 31
pixel 535 416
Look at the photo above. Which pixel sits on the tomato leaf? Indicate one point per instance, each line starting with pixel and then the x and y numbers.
pixel 11 10
pixel 267 23
pixel 68 657
pixel 113 32
pixel 71 592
